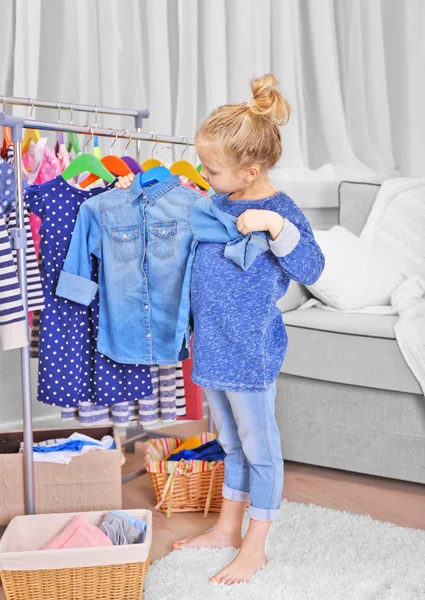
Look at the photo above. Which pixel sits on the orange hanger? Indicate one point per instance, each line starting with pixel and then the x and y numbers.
pixel 7 134
pixel 114 164
pixel 7 137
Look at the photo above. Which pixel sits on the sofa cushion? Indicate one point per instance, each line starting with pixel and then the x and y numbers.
pixel 354 276
pixel 356 349
pixel 295 297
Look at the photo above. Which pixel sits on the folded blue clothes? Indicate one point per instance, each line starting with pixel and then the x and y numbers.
pixel 74 445
pixel 209 451
pixel 136 523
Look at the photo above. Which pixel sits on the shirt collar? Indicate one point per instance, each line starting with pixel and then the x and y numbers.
pixel 154 191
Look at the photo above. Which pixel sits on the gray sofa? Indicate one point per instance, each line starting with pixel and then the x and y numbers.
pixel 345 397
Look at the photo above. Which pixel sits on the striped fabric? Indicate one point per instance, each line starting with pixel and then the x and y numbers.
pixel 163 405
pixel 13 330
pixel 157 449
pixel 121 414
pixel 35 292
pixel 167 400
pixel 7 202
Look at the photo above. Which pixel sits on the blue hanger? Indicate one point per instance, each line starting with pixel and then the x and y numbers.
pixel 155 174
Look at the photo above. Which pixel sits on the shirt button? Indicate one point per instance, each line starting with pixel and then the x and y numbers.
pixel 149 335
pixel 146 306
pixel 163 232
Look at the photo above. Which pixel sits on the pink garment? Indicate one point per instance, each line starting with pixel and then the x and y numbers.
pixel 190 184
pixel 63 157
pixel 40 162
pixel 79 533
pixel 41 165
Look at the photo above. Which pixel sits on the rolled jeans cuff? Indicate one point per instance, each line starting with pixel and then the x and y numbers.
pixel 235 495
pixel 263 514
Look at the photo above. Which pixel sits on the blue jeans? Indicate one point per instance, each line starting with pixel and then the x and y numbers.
pixel 250 437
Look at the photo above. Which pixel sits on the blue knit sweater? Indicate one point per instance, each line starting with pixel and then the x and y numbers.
pixel 239 336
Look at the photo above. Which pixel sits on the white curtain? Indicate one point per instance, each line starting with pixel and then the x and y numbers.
pixel 353 70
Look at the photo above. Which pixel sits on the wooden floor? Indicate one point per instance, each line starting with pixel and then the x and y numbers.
pixel 398 502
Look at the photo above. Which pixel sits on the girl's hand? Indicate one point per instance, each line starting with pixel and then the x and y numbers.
pixel 261 220
pixel 124 182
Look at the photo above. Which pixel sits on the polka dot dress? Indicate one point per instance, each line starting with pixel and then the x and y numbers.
pixel 71 371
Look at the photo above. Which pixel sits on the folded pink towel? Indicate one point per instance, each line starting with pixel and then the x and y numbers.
pixel 79 533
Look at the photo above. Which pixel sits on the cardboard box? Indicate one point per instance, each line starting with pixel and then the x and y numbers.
pixel 91 482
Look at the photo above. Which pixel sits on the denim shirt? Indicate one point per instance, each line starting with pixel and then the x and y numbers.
pixel 144 239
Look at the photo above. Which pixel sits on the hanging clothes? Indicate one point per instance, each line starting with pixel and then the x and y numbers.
pixel 63 157
pixel 34 223
pixel 41 165
pixel 13 329
pixel 44 166
pixel 71 371
pixel 8 205
pixel 194 396
pixel 192 186
pixel 166 402
pixel 145 237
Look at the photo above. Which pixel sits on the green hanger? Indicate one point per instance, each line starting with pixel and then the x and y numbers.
pixel 87 162
pixel 90 163
pixel 72 142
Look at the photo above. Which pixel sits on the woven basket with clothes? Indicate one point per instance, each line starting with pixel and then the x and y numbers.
pixel 185 485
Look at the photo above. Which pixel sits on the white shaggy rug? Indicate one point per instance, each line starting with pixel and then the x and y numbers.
pixel 314 553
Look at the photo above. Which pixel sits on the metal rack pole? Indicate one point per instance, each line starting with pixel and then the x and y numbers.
pixel 138 115
pixel 108 132
pixel 125 112
pixel 19 243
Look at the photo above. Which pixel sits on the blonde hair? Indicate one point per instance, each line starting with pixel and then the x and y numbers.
pixel 249 132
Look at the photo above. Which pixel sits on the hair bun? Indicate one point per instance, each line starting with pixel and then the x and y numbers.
pixel 267 101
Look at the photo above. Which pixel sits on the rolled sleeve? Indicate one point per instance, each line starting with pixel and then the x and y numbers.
pixel 286 241
pixel 76 288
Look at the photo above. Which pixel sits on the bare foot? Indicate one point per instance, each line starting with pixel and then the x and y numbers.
pixel 241 569
pixel 210 539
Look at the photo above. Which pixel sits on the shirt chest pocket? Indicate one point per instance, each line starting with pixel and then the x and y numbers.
pixel 125 242
pixel 164 235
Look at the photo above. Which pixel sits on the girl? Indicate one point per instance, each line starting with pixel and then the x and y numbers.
pixel 239 336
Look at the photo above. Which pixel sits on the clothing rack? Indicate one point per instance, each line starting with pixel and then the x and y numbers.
pixel 18 239
pixel 138 115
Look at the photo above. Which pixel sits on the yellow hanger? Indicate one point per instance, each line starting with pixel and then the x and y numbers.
pixel 185 168
pixel 30 134
pixel 150 163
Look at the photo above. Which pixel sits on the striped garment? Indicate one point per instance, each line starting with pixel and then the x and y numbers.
pixel 165 404
pixel 13 329
pixel 35 291
pixel 8 205
pixel 167 401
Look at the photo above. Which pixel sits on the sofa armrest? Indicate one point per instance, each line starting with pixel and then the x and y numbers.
pixel 296 295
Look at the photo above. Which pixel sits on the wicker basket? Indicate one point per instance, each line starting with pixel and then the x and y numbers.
pixel 184 486
pixel 116 572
